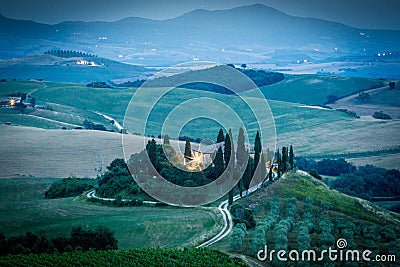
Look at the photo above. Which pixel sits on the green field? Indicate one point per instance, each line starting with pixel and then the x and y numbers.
pixel 314 89
pixel 312 131
pixel 23 208
pixel 135 258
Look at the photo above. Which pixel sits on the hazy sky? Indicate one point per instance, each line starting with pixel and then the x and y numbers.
pixel 383 14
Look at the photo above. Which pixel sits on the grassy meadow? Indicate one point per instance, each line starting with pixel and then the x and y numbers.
pixel 23 208
pixel 312 131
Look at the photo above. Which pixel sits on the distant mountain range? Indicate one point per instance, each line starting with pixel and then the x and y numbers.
pixel 254 33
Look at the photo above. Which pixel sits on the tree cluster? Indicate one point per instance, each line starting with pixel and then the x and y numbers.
pixel 98 85
pixel 332 167
pixel 381 115
pixel 68 187
pixel 265 225
pixel 368 182
pixel 117 181
pixel 101 238
pixel 237 235
pixel 93 126
pixel 305 227
pixel 68 53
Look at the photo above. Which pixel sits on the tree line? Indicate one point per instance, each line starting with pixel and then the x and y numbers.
pixel 101 238
pixel 365 182
pixel 68 53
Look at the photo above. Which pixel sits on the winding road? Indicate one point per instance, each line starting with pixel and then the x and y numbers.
pixel 222 207
pixel 228 224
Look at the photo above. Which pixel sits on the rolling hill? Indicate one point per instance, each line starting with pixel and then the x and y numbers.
pixel 53 68
pixel 313 131
pixel 314 217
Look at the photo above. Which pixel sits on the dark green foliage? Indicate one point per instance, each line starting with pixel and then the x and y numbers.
pixel 237 235
pixel 314 173
pixel 258 241
pixel 247 175
pixel 151 148
pixel 330 99
pixel 349 112
pixel 118 162
pixel 263 78
pixel 69 187
pixel 205 86
pixel 230 197
pixel 332 167
pixel 221 136
pixel 98 85
pixel 228 152
pixel 263 170
pixel 381 115
pixel 279 162
pixel 265 225
pixel 244 215
pixel 219 163
pixel 68 53
pixel 136 83
pixel 93 126
pixel 195 257
pixel 167 169
pixel 188 149
pixel 368 182
pixel 100 238
pixel 117 181
pixel 363 97
pixel 326 238
pixel 241 153
pixel 257 151
pixel 284 161
pixel 305 227
pixel 20 107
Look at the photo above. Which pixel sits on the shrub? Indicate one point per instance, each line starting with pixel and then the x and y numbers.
pixel 381 115
pixel 69 187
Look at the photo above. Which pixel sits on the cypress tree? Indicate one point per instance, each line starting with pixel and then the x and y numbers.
pixel 257 151
pixel 188 149
pixel 284 159
pixel 247 175
pixel 241 149
pixel 227 149
pixel 279 162
pixel 229 153
pixel 270 174
pixel 230 197
pixel 263 170
pixel 221 136
pixel 291 157
pixel 219 163
pixel 241 155
pixel 166 140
